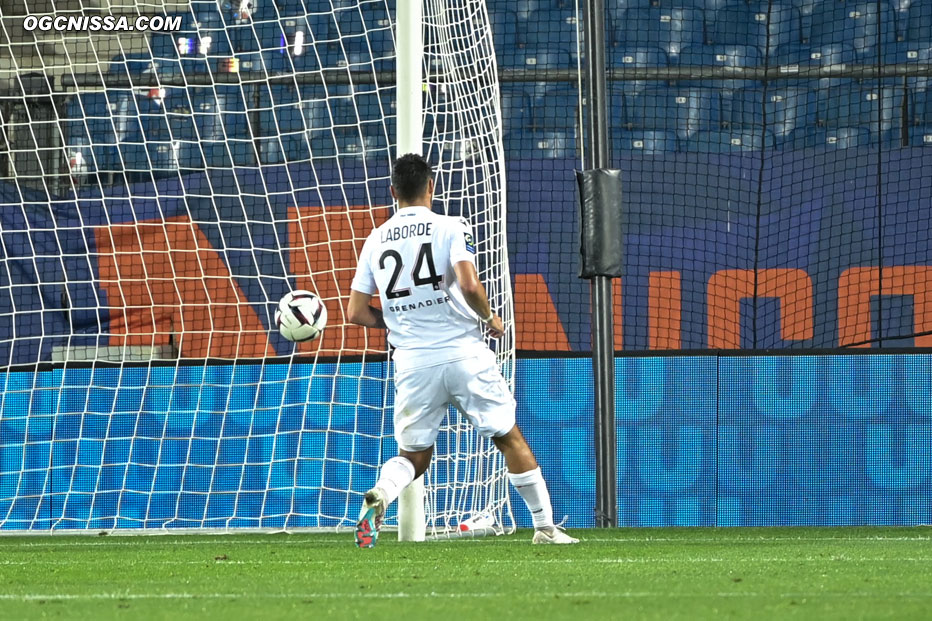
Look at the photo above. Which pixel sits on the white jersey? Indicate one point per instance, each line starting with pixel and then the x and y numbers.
pixel 409 260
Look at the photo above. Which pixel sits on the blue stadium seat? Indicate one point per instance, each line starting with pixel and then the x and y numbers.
pixel 805 8
pixel 643 142
pixel 281 136
pixel 541 57
pixel 341 143
pixel 920 136
pixel 878 109
pixel 863 25
pixel 735 140
pixel 636 57
pixel 671 29
pixel 827 55
pixel 618 96
pixel 921 108
pixel 555 107
pixel 283 8
pixel 504 30
pixel 547 26
pixel 683 110
pixel 781 110
pixel 366 36
pixel 516 106
pixel 919 21
pixel 722 56
pixel 765 27
pixel 830 139
pixel 127 130
pixel 261 47
pixel 542 144
pixel 222 126
pixel 901 15
pixel 90 141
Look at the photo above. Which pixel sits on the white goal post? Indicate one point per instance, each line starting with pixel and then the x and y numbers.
pixel 178 185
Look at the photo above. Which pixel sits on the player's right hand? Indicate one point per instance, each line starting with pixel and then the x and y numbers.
pixel 496 327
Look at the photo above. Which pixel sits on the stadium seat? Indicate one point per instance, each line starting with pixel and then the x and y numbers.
pixel 682 110
pixel 921 108
pixel 555 107
pixel 780 110
pixel 366 36
pixel 540 57
pixel 735 140
pixel 636 57
pixel 279 8
pixel 765 27
pixel 90 142
pixel 222 126
pixel 801 56
pixel 504 30
pixel 516 106
pixel 260 47
pixel 541 144
pixel 920 136
pixel 546 26
pixel 671 29
pixel 830 139
pixel 618 96
pixel 863 25
pixel 643 142
pixel 919 21
pixel 875 108
pixel 340 143
pixel 280 130
pixel 721 56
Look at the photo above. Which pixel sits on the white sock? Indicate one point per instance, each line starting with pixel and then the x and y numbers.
pixel 397 473
pixel 533 490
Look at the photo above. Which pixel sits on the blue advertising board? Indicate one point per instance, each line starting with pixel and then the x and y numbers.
pixel 702 441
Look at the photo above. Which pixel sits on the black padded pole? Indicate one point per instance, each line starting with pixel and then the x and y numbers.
pixel 596 157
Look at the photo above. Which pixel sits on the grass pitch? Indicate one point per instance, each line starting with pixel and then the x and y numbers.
pixel 805 573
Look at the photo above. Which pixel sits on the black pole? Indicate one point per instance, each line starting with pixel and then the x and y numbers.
pixel 596 156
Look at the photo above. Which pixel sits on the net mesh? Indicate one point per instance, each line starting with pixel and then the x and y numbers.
pixel 174 186
pixel 773 157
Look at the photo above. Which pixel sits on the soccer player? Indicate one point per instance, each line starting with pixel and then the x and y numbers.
pixel 423 266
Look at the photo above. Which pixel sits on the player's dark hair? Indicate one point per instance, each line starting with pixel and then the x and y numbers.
pixel 410 174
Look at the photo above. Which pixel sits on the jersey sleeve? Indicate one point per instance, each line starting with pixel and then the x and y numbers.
pixel 364 280
pixel 463 246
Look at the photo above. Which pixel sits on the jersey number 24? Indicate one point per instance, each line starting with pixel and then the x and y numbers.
pixel 425 258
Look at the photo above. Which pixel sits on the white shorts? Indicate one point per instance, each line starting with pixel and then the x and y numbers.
pixel 474 386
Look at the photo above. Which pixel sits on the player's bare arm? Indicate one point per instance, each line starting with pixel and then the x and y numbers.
pixel 362 313
pixel 476 297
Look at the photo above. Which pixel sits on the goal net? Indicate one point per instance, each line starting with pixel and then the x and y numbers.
pixel 161 191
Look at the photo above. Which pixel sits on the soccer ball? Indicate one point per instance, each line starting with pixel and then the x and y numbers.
pixel 301 316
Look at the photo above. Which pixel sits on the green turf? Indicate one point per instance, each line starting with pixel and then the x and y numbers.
pixel 801 573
